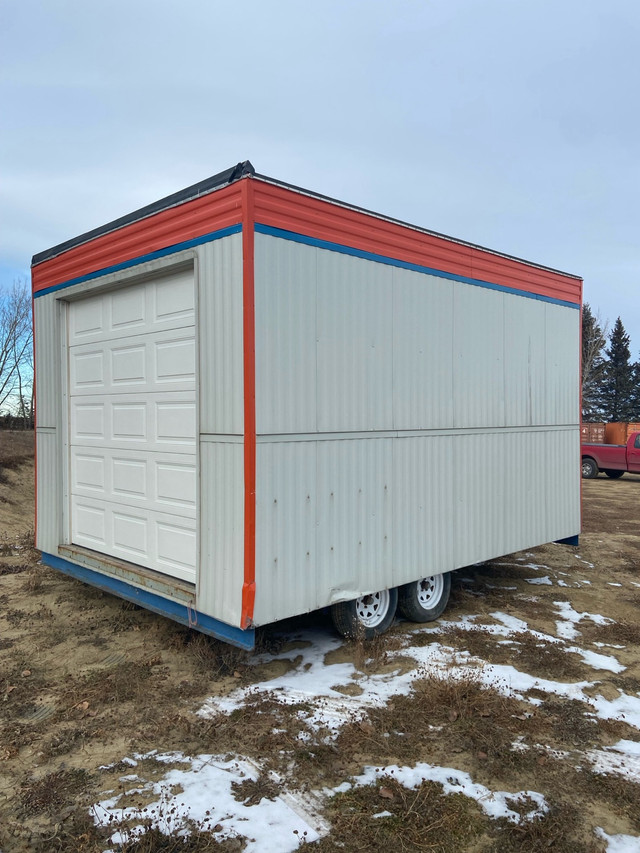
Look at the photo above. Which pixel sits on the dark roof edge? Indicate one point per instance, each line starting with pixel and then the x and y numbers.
pixel 413 227
pixel 228 176
pixel 242 170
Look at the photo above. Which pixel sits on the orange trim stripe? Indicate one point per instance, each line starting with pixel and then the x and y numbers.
pixel 249 355
pixel 212 212
pixel 293 211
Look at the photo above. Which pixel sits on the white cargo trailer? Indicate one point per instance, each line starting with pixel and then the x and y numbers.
pixel 254 401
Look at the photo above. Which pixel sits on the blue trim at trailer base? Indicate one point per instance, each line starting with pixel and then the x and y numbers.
pixel 156 603
pixel 570 540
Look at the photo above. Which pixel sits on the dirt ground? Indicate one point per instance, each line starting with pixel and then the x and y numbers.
pixel 86 679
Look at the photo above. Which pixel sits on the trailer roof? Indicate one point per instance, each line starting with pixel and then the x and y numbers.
pixel 229 176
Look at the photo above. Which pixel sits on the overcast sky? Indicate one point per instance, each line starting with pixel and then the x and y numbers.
pixel 509 123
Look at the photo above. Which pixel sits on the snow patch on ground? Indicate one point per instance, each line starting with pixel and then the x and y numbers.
pixel 201 791
pixel 619 843
pixel 623 759
pixel 493 803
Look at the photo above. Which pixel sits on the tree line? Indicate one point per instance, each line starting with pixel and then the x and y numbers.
pixel 610 379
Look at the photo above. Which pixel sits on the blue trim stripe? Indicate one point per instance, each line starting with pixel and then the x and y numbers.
pixel 152 256
pixel 405 265
pixel 164 606
pixel 570 540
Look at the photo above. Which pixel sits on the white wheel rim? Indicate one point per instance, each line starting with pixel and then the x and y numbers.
pixel 372 610
pixel 430 591
pixel 586 468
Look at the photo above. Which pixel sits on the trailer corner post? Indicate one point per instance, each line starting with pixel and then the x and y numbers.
pixel 249 376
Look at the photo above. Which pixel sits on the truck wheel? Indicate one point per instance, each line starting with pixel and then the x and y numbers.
pixel 426 599
pixel 589 468
pixel 615 475
pixel 366 617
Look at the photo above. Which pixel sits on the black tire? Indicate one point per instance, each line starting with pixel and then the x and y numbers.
pixel 615 475
pixel 426 599
pixel 589 468
pixel 366 617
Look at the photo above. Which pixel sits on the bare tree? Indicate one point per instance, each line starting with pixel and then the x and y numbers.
pixel 16 351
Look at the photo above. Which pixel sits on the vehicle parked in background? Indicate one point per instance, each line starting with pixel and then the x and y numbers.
pixel 613 459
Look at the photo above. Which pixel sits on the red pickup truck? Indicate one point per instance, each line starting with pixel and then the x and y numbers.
pixel 613 459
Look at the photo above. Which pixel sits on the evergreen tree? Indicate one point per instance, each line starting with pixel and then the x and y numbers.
pixel 619 380
pixel 593 343
pixel 635 396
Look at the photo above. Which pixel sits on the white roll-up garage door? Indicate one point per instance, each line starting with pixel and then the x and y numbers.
pixel 132 428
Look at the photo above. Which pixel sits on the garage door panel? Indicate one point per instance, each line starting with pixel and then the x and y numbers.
pixel 151 307
pixel 166 543
pixel 164 422
pixel 175 546
pixel 128 310
pixel 174 302
pixel 132 424
pixel 88 423
pixel 162 482
pixel 165 361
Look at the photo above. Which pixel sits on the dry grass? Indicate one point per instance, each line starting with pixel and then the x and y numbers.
pixel 420 819
pixel 53 791
pixel 562 829
pixel 16 447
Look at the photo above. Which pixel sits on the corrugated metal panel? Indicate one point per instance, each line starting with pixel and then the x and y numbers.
pixel 562 499
pixel 285 309
pixel 48 354
pixel 48 491
pixel 422 351
pixel 287 578
pixel 354 517
pixel 355 344
pixel 186 221
pixel 478 357
pixel 324 523
pixel 424 499
pixel 283 208
pixel 221 572
pixel 220 336
pixel 524 363
pixel 479 522
pixel 562 365
pixel 339 518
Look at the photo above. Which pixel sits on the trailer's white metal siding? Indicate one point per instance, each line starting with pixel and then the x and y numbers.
pixel 285 325
pixel 219 588
pixel 446 425
pixel 47 359
pixel 220 333
pixel 221 572
pixel 48 383
pixel 48 490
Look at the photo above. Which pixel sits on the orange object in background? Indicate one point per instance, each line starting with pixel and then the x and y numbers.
pixel 592 433
pixel 616 433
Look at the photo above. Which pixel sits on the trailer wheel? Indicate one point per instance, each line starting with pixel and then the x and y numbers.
pixel 615 475
pixel 366 617
pixel 589 468
pixel 426 599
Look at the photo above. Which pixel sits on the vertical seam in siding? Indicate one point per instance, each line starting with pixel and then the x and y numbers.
pixel 249 356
